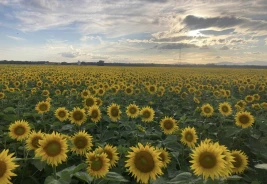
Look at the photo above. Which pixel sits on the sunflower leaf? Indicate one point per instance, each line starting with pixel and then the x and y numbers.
pixel 261 166
pixel 113 176
pixel 84 176
pixel 181 178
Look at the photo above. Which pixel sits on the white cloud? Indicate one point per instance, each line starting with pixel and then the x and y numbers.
pixel 15 38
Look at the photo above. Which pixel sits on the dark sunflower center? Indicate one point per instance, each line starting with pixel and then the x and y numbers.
pixel 62 114
pixel 207 160
pixel 78 116
pixel 162 157
pixel 94 114
pixel 2 168
pixel 249 99
pixel 114 112
pixel 53 148
pixel 225 109
pixel 109 154
pixel 85 94
pixel 43 107
pixel 237 161
pixel 89 102
pixel 100 91
pixel 20 130
pixel 96 165
pixel 207 110
pixel 1 95
pixel 35 142
pixel 133 110
pixel 244 119
pixel 80 142
pixel 146 114
pixel 128 90
pixel 45 93
pixel 168 124
pixel 189 137
pixel 152 88
pixel 144 162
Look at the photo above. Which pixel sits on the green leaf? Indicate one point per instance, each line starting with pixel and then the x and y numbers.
pixel 234 177
pixel 84 176
pixel 79 167
pixel 38 164
pixel 181 178
pixel 10 117
pixel 261 166
pixel 112 176
pixel 51 180
pixel 9 110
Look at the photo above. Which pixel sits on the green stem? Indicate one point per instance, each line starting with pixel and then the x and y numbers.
pixel 55 171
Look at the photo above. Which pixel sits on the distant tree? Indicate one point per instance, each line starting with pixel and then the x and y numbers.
pixel 100 63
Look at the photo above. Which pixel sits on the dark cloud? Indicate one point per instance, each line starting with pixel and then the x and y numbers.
pixel 218 57
pixel 68 54
pixel 176 46
pixel 204 47
pixel 221 40
pixel 224 48
pixel 235 41
pixel 217 33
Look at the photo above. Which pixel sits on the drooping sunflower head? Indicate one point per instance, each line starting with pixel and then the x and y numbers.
pixel 114 112
pixel 147 114
pixel 7 165
pixel 225 109
pixel 89 101
pixel 19 130
pixel 81 143
pixel 111 152
pixel 32 143
pixel 85 93
pixel 207 110
pixel 62 114
pixel 95 113
pixel 240 161
pixel 196 100
pixel 244 119
pixel 184 95
pixel 144 163
pixel 164 157
pixel 53 149
pixel 189 137
pixel 264 105
pixel 42 107
pixel 168 125
pixel 256 106
pixel 99 102
pixel 132 111
pixel 98 164
pixel 257 97
pixel 77 116
pixel 208 161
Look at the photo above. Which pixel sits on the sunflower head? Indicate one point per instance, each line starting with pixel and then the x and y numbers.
pixel 147 114
pixel 95 113
pixel 111 152
pixel 189 137
pixel 207 110
pixel 244 119
pixel 144 163
pixel 2 95
pixel 19 130
pixel 132 111
pixel 240 161
pixel 62 114
pixel 7 165
pixel 77 116
pixel 89 101
pixel 164 157
pixel 53 149
pixel 98 164
pixel 85 93
pixel 32 143
pixel 168 125
pixel 225 109
pixel 81 143
pixel 42 107
pixel 114 112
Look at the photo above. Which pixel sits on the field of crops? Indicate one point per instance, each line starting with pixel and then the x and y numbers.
pixel 78 124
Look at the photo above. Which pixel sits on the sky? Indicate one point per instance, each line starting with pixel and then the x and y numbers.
pixel 134 31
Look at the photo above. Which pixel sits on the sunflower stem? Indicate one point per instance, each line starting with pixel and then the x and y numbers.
pixel 55 171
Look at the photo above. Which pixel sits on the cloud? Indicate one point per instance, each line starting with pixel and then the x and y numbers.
pixel 69 54
pixel 15 38
pixel 176 46
pixel 224 48
pixel 218 57
pixel 204 47
pixel 91 38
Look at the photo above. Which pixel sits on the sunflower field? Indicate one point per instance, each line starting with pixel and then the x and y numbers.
pixel 107 125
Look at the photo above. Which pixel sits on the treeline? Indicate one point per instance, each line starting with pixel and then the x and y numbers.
pixel 24 62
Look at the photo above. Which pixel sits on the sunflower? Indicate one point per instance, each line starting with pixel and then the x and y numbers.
pixel 89 101
pixel 240 161
pixel 196 100
pixel 6 166
pixel 32 143
pixel 249 98
pixel 207 110
pixel 257 97
pixel 147 114
pixel 19 130
pixel 152 89
pixel 78 116
pixel 99 102
pixel 225 109
pixel 58 92
pixel 45 92
pixel 129 90
pixel 53 149
pixel 164 157
pixel 2 95
pixel 240 105
pixel 62 114
pixel 168 125
pixel 264 105
pixel 111 152
pixel 184 95
pixel 95 113
pixel 256 106
pixel 132 111
pixel 42 107
pixel 85 93
pixel 244 119
pixel 98 164
pixel 82 142
pixel 144 163
pixel 189 137
pixel 208 161
pixel 101 91
pixel 114 112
